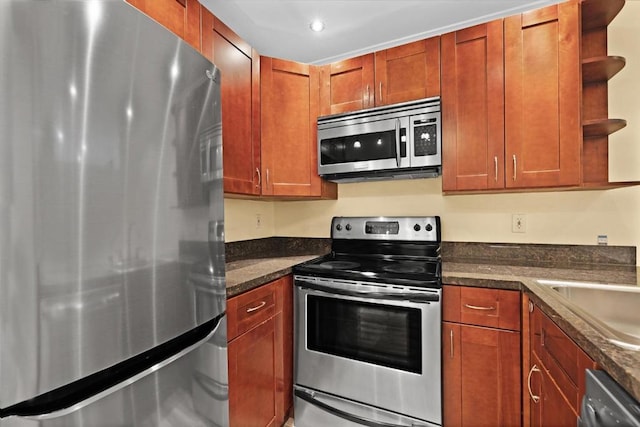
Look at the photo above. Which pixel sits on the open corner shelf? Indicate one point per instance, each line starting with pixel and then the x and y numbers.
pixel 599 13
pixel 600 128
pixel 601 68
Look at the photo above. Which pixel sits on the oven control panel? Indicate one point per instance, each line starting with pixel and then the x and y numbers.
pixel 411 228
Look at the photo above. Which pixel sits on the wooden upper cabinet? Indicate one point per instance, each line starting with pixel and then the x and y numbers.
pixel 182 17
pixel 347 85
pixel 543 134
pixel 399 74
pixel 289 110
pixel 408 72
pixel 473 108
pixel 240 86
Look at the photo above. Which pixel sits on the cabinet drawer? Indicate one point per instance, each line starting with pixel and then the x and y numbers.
pixel 564 360
pixel 495 308
pixel 248 310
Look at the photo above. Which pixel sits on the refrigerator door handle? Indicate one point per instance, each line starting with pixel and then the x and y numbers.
pixel 78 394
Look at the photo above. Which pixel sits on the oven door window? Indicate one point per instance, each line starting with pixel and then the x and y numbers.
pixel 385 335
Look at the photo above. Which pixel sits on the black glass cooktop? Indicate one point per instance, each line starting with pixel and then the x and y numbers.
pixel 394 270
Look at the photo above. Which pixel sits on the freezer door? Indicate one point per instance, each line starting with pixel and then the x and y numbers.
pixel 187 388
pixel 111 205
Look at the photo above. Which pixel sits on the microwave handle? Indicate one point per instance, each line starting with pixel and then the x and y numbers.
pixel 398 142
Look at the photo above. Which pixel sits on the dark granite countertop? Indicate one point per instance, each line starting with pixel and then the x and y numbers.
pixel 247 274
pixel 622 364
pixel 572 263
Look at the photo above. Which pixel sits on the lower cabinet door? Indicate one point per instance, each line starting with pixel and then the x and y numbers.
pixel 555 410
pixel 481 369
pixel 252 377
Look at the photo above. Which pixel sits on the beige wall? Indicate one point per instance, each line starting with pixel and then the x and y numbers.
pixel 576 217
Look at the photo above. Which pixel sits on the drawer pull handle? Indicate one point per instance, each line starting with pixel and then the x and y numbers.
pixel 535 399
pixel 257 307
pixel 451 339
pixel 477 307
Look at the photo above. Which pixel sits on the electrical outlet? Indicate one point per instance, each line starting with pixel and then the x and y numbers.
pixel 258 221
pixel 518 223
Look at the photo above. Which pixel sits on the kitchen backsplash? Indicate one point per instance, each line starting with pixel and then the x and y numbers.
pixel 276 247
pixel 542 255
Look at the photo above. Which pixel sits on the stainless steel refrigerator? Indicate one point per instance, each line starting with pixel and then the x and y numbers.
pixel 112 287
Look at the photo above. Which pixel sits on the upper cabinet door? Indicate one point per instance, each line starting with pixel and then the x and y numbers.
pixel 347 85
pixel 473 108
pixel 543 134
pixel 408 72
pixel 182 17
pixel 240 85
pixel 289 111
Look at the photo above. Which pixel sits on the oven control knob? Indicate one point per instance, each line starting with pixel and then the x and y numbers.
pixel 348 227
pixel 339 227
pixel 417 227
pixel 428 227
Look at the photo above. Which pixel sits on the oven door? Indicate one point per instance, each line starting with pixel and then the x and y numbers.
pixel 375 344
pixel 370 146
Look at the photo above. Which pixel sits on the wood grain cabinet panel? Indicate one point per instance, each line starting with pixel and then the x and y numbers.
pixel 260 334
pixel 182 17
pixel 252 375
pixel 347 85
pixel 543 134
pixel 481 371
pixel 553 372
pixel 408 72
pixel 240 92
pixel 399 74
pixel 289 112
pixel 481 365
pixel 473 108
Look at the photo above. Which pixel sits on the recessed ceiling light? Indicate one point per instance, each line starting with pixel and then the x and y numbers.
pixel 316 25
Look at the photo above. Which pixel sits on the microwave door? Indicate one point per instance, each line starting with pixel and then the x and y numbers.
pixel 372 146
pixel 425 137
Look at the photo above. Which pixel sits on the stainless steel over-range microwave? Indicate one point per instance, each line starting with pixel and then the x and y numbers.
pixel 398 141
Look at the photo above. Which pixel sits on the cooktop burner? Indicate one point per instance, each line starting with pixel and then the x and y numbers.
pixel 372 268
pixel 412 267
pixel 339 265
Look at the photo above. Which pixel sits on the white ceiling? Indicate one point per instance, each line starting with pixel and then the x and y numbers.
pixel 280 28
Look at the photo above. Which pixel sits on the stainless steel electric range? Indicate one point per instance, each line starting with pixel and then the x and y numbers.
pixel 368 326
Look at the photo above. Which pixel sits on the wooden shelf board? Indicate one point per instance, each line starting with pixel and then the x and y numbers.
pixel 601 69
pixel 598 128
pixel 599 13
pixel 608 185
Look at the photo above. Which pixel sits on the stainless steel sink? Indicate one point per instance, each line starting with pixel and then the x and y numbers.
pixel 613 310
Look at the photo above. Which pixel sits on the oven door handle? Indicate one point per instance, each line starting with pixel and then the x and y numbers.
pixel 414 297
pixel 305 395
